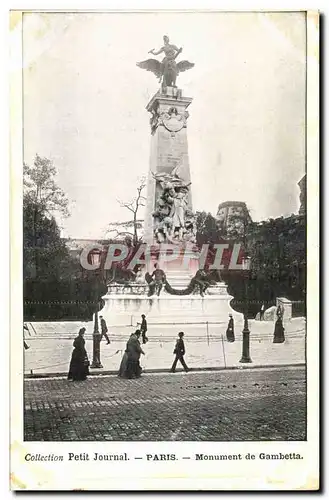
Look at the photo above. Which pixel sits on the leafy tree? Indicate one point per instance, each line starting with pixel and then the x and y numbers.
pixel 206 229
pixel 279 256
pixel 41 190
pixel 208 233
pixel 55 285
pixel 277 251
pixel 44 250
pixel 278 263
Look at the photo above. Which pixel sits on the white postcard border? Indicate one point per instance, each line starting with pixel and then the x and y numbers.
pixel 182 474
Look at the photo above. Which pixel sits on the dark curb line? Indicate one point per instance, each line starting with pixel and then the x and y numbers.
pixel 162 370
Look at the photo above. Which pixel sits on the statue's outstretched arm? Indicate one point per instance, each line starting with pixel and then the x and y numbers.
pixel 156 53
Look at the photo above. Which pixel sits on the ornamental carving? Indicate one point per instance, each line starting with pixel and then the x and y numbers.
pixel 134 289
pixel 171 119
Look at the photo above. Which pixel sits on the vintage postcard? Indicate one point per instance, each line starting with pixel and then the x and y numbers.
pixel 164 296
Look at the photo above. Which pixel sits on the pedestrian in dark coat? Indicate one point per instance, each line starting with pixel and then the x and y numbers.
pixel 144 329
pixel 104 329
pixel 279 311
pixel 179 351
pixel 278 332
pixel 123 366
pixel 230 329
pixel 79 366
pixel 134 352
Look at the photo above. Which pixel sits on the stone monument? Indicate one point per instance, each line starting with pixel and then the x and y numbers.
pixel 171 290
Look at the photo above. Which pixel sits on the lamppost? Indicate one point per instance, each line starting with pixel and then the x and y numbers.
pixel 96 363
pixel 246 332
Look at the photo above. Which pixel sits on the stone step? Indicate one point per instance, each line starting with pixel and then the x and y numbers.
pixel 178 278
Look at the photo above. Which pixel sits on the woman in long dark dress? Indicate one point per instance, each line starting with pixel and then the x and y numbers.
pixel 79 366
pixel 279 337
pixel 230 330
pixel 123 366
pixel 130 367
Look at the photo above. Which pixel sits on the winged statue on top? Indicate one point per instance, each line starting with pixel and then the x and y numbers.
pixel 166 70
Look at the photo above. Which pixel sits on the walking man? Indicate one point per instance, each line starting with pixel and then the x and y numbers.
pixel 179 351
pixel 104 329
pixel 144 329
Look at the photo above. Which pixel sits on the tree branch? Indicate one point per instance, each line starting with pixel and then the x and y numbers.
pixel 128 205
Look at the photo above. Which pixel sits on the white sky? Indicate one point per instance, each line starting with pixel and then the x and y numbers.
pixel 84 107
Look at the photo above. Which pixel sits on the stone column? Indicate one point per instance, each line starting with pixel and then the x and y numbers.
pixel 168 147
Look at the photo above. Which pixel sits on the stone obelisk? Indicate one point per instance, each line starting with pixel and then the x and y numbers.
pixel 169 148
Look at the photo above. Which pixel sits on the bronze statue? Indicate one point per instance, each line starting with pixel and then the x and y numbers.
pixel 168 69
pixel 202 282
pixel 155 281
pixel 203 279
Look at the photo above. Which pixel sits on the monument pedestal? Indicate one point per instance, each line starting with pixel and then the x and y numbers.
pixel 124 306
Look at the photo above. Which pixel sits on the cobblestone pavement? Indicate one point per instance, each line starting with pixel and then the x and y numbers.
pixel 246 404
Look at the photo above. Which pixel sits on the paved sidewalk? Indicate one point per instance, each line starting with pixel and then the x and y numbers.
pixel 51 355
pixel 66 329
pixel 257 405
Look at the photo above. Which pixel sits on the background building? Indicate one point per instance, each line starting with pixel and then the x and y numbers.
pixel 232 217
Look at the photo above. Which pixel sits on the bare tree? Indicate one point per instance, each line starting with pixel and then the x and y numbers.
pixel 122 229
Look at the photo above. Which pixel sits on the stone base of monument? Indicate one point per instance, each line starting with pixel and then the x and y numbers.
pixel 124 306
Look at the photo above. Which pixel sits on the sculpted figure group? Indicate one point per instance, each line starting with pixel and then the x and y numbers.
pixel 174 222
